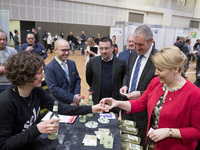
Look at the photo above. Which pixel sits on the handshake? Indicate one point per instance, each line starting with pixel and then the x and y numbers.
pixel 106 104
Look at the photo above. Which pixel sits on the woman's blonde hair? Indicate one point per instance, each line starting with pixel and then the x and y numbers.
pixel 170 57
pixel 90 40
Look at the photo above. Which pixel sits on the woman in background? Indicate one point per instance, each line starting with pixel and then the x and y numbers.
pixel 91 43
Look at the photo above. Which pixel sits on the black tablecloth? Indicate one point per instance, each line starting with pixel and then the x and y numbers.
pixel 43 143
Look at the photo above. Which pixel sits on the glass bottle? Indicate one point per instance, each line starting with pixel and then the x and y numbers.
pixel 130 138
pixel 54 115
pixel 90 103
pixel 82 118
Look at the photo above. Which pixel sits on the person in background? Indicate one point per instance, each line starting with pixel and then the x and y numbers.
pixel 125 54
pixel 5 53
pixel 16 40
pixel 70 39
pixel 97 39
pixel 115 46
pixel 91 43
pixel 188 43
pixel 36 35
pixel 140 72
pixel 177 40
pixel 33 47
pixel 21 103
pixel 173 110
pixel 105 73
pixel 62 77
pixel 49 42
pixel 83 38
pixel 11 36
pixel 44 38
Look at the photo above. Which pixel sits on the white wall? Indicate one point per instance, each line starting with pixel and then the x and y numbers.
pixel 103 12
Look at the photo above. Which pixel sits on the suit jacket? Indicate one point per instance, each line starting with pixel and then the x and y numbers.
pixel 147 75
pixel 125 55
pixel 93 76
pixel 180 110
pixel 60 88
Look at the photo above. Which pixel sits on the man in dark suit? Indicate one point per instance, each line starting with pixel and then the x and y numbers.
pixel 125 54
pixel 105 73
pixel 62 77
pixel 143 39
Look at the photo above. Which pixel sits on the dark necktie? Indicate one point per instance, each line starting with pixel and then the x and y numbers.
pixel 136 72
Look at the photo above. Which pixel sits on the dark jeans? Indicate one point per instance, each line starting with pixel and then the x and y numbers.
pixel 83 48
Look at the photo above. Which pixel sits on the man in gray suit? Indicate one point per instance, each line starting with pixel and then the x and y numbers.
pixel 105 73
pixel 143 39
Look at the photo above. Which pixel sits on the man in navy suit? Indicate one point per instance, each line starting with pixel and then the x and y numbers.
pixel 62 77
pixel 143 42
pixel 125 54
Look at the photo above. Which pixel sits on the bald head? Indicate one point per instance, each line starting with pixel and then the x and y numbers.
pixel 60 42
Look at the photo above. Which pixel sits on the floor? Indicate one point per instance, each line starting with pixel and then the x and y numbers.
pixel 80 64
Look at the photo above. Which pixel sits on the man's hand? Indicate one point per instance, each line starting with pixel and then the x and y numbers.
pixel 134 95
pixel 47 126
pixel 124 89
pixel 29 48
pixel 77 99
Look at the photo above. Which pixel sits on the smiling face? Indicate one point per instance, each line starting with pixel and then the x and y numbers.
pixel 2 40
pixel 106 50
pixel 130 42
pixel 38 78
pixel 62 50
pixel 141 45
pixel 166 76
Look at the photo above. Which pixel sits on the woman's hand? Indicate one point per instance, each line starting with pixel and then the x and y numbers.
pixel 91 53
pixel 158 134
pixel 110 101
pixel 98 108
pixel 48 126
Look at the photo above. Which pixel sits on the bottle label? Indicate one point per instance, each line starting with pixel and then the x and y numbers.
pixel 130 129
pixel 133 146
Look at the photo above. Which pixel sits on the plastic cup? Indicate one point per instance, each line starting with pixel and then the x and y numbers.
pixel 61 138
pixel 67 145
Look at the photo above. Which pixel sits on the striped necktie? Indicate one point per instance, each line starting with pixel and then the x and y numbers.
pixel 66 69
pixel 136 72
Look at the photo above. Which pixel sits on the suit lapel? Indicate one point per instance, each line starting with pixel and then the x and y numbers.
pixel 60 69
pixel 133 56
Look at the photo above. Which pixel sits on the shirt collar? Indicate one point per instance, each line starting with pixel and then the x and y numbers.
pixel 60 62
pixel 108 60
pixel 148 53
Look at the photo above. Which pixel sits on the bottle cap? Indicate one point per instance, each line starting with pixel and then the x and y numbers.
pixel 82 96
pixel 90 92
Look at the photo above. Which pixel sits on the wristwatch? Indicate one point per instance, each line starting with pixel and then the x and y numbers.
pixel 170 132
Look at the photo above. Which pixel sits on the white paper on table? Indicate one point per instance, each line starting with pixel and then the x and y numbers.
pixel 63 118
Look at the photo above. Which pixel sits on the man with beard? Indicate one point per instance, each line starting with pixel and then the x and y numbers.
pixel 105 73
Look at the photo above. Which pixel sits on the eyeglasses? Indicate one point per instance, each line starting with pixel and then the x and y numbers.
pixel 64 50
pixel 30 38
pixel 106 48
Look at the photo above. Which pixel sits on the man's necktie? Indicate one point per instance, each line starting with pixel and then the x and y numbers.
pixel 136 72
pixel 65 66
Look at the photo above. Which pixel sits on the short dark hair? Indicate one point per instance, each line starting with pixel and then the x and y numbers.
pixel 188 40
pixel 15 31
pixel 22 67
pixel 106 39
